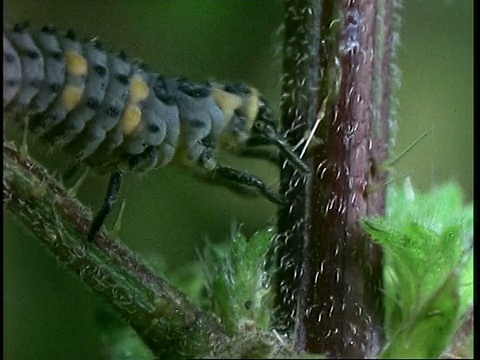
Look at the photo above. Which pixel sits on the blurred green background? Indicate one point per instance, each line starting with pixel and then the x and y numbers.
pixel 48 313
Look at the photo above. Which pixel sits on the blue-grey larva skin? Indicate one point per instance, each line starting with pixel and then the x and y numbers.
pixel 114 116
pixel 110 113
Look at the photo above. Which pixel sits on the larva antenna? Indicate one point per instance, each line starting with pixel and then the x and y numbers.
pixel 264 130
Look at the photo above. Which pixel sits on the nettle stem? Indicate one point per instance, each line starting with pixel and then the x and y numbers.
pixel 337 106
pixel 163 317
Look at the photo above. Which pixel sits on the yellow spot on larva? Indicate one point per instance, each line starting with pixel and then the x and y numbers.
pixel 71 96
pixel 138 89
pixel 76 63
pixel 131 118
pixel 250 106
pixel 227 102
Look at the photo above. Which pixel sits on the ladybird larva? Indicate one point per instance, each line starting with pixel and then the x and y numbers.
pixel 115 116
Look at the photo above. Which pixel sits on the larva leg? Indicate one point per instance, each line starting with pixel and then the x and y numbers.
pixel 239 177
pixel 110 199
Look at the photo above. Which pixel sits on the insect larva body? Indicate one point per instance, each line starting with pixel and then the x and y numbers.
pixel 21 49
pixel 54 65
pixel 114 116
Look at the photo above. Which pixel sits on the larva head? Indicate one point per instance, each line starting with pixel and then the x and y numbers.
pixel 250 121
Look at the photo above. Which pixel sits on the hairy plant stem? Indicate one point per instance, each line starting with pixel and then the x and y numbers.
pixel 171 325
pixel 337 107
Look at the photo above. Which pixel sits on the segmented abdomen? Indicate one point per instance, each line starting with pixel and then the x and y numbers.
pixel 99 106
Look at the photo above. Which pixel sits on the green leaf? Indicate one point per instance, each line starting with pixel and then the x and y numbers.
pixel 239 281
pixel 429 330
pixel 427 240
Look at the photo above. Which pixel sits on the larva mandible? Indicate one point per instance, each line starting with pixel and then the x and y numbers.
pixel 115 116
